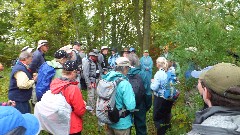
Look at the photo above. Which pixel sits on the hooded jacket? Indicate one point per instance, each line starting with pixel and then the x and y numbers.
pixel 125 98
pixel 74 98
pixel 217 120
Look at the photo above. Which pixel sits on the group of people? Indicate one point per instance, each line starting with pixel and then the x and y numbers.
pixel 218 85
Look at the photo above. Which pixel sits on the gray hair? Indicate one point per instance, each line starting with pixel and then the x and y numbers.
pixel 134 60
pixel 162 62
pixel 24 55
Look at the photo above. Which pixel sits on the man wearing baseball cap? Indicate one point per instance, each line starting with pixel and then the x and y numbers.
pixel 38 56
pixel 220 87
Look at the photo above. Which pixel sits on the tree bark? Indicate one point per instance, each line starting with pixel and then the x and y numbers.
pixel 137 22
pixel 146 23
pixel 102 11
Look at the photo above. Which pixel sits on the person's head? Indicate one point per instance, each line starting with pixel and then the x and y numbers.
pixel 145 53
pixel 12 121
pixel 161 62
pixel 221 85
pixel 93 56
pixel 134 60
pixel 1 67
pixel 77 46
pixel 27 48
pixel 113 51
pixel 25 57
pixel 122 65
pixel 132 50
pixel 104 50
pixel 125 52
pixel 95 51
pixel 68 49
pixel 70 69
pixel 43 46
pixel 61 56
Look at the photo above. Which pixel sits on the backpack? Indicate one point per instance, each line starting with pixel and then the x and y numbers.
pixel 53 113
pixel 106 110
pixel 138 87
pixel 45 76
pixel 171 93
pixel 82 79
pixel 78 58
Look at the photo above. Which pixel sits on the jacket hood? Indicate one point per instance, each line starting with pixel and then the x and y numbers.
pixel 57 85
pixel 134 71
pixel 113 75
pixel 54 64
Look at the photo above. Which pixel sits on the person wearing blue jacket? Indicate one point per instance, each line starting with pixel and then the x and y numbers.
pixel 146 67
pixel 135 77
pixel 125 97
pixel 161 107
pixel 113 57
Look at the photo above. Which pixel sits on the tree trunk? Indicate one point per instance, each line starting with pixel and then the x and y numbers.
pixel 137 23
pixel 102 10
pixel 146 23
pixel 114 27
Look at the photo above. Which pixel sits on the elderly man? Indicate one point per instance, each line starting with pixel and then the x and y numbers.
pixel 220 88
pixel 21 83
pixel 38 56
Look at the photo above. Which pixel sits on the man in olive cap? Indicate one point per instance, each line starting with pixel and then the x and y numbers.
pixel 220 88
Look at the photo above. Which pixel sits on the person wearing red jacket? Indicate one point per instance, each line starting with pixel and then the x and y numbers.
pixel 70 90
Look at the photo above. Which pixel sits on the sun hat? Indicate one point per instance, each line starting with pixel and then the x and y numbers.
pixel 93 54
pixel 11 120
pixel 60 54
pixel 96 51
pixel 70 65
pixel 27 48
pixel 67 48
pixel 222 78
pixel 126 50
pixel 104 47
pixel 123 61
pixel 42 43
pixel 199 74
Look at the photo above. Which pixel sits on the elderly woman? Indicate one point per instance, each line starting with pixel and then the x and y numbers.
pixel 161 106
pixel 136 79
pixel 21 83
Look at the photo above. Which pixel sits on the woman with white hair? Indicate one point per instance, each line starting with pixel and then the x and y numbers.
pixel 161 106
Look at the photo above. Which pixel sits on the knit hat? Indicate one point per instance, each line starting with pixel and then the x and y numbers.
pixel 42 43
pixel 224 79
pixel 123 61
pixel 60 54
pixel 70 65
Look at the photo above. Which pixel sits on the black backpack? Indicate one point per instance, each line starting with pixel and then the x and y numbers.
pixel 138 87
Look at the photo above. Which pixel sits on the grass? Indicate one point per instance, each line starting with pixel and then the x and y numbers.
pixel 183 114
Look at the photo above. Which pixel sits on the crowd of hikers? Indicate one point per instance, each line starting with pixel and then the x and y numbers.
pixel 120 92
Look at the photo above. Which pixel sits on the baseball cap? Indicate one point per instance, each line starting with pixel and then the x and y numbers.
pixel 93 54
pixel 42 43
pixel 123 61
pixel 104 47
pixel 60 54
pixel 199 74
pixel 114 49
pixel 77 43
pixel 132 49
pixel 12 120
pixel 70 65
pixel 146 51
pixel 222 78
pixel 67 48
pixel 27 48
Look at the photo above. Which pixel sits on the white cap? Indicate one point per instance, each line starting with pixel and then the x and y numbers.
pixel 27 48
pixel 67 48
pixel 123 61
pixel 104 47
pixel 41 43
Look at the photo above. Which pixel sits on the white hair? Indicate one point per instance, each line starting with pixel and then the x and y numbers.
pixel 162 62
pixel 25 54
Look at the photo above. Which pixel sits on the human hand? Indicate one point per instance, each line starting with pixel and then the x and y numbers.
pixel 11 103
pixel 35 76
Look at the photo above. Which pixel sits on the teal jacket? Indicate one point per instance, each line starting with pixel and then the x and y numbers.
pixel 125 98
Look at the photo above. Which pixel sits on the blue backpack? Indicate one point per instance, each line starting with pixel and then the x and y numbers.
pixel 45 76
pixel 171 93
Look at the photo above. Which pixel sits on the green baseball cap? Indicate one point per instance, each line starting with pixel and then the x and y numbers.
pixel 221 78
pixel 146 51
